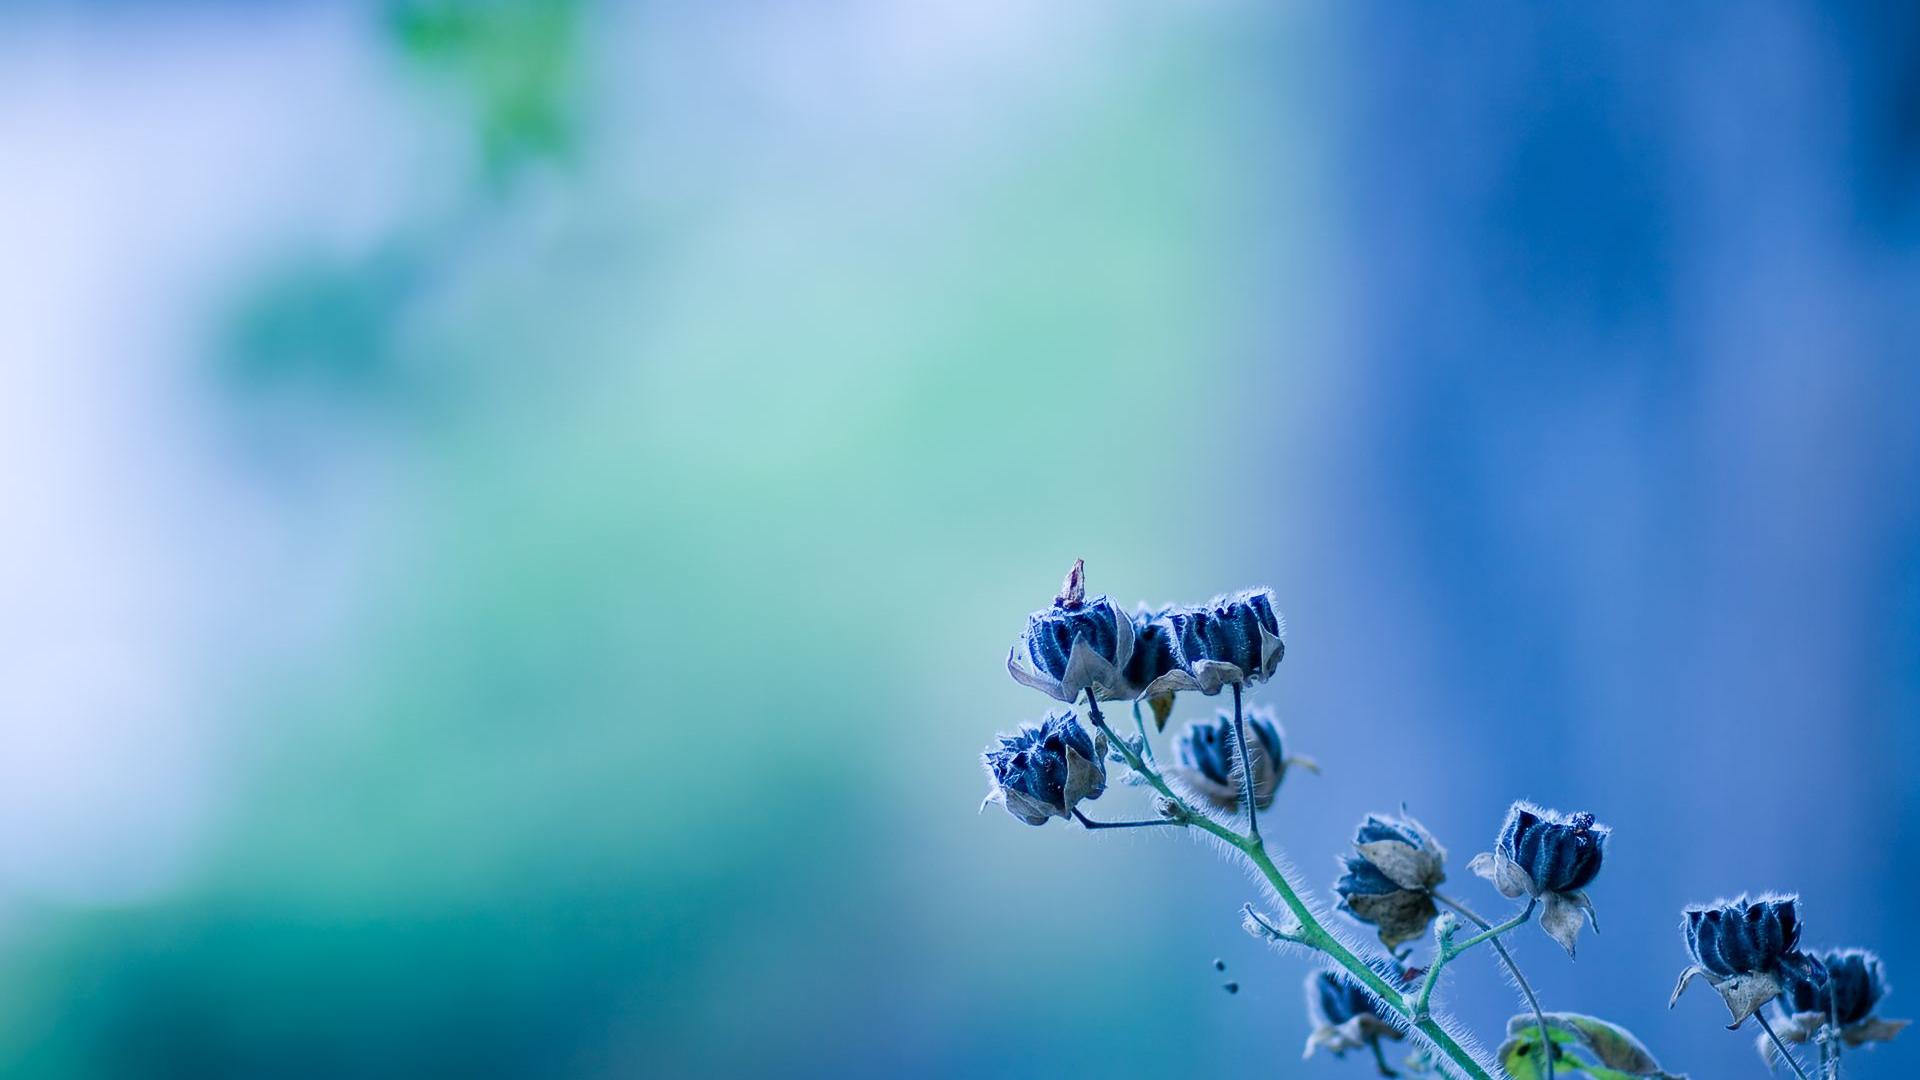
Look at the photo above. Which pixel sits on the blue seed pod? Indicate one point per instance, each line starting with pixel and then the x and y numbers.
pixel 1205 758
pixel 1559 854
pixel 1854 984
pixel 1833 996
pixel 1074 645
pixel 1550 857
pixel 1390 879
pixel 1042 771
pixel 1746 937
pixel 1237 639
pixel 1747 950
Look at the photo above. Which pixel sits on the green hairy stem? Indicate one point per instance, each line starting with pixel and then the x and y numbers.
pixel 1533 1000
pixel 1310 932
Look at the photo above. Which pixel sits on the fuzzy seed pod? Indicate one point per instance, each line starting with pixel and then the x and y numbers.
pixel 1550 857
pixel 1390 879
pixel 1746 949
pixel 1042 771
pixel 1074 645
pixel 1237 639
pixel 1204 758
pixel 1854 986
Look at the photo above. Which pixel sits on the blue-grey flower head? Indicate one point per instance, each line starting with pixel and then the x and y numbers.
pixel 1236 639
pixel 1551 857
pixel 1390 878
pixel 1043 770
pixel 1746 949
pixel 1854 984
pixel 1343 1016
pixel 1743 937
pixel 1204 758
pixel 1074 644
pixel 1843 993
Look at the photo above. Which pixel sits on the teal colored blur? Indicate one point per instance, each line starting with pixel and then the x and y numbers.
pixel 518 509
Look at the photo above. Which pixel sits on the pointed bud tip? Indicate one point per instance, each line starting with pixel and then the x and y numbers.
pixel 1073 591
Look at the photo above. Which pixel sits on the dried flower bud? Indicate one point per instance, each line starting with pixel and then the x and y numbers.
pixel 1744 936
pixel 1204 758
pixel 1745 949
pixel 1042 771
pixel 1344 1016
pixel 1073 645
pixel 1855 983
pixel 1550 857
pixel 1232 639
pixel 1389 882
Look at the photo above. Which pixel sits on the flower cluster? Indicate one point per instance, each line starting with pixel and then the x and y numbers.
pixel 1078 645
pixel 1389 880
pixel 1748 950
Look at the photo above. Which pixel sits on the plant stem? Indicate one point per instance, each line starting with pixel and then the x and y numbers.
pixel 1246 767
pixel 1312 934
pixel 1533 1001
pixel 1493 932
pixel 1092 824
pixel 1448 950
pixel 1146 744
pixel 1833 1037
pixel 1792 1062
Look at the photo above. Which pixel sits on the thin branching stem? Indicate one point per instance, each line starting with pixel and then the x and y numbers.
pixel 1526 988
pixel 1140 725
pixel 1832 1037
pixel 1092 824
pixel 1312 934
pixel 1792 1062
pixel 1447 951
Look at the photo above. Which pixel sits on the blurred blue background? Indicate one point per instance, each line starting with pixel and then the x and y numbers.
pixel 516 510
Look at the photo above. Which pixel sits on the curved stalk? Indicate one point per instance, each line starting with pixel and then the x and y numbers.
pixel 1448 951
pixel 1526 988
pixel 1089 823
pixel 1832 1042
pixel 1312 934
pixel 1140 725
pixel 1792 1061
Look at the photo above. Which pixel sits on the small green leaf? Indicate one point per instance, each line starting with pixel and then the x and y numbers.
pixel 1520 1054
pixel 1615 1053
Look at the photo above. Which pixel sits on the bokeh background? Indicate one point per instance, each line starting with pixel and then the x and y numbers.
pixel 515 509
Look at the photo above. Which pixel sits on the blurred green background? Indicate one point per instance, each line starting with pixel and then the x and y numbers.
pixel 517 508
pixel 590 461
